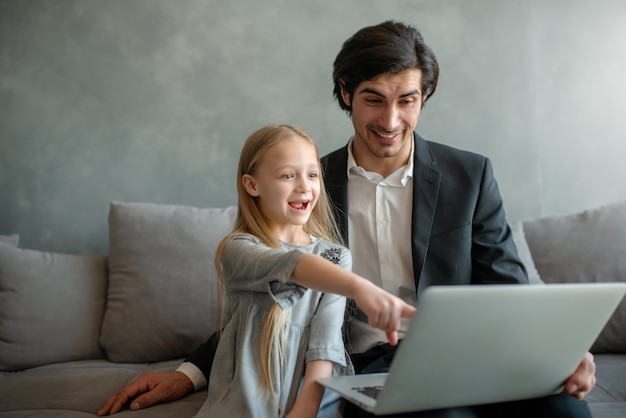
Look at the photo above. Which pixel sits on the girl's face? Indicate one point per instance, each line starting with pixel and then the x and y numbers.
pixel 287 184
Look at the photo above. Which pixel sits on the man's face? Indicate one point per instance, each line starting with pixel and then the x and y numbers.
pixel 385 111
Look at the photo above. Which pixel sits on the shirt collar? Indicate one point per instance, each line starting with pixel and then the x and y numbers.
pixel 354 168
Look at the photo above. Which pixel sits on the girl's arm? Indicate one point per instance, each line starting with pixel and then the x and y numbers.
pixel 308 401
pixel 383 310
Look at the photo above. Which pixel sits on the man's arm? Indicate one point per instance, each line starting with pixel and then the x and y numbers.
pixel 150 388
pixel 203 356
pixel 494 254
pixel 504 265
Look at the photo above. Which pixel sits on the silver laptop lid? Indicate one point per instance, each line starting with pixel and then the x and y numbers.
pixel 482 344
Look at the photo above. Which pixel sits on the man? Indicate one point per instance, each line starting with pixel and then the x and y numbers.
pixel 414 213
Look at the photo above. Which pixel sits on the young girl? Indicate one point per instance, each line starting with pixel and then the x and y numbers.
pixel 282 334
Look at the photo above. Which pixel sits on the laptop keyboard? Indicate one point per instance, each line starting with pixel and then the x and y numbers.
pixel 371 391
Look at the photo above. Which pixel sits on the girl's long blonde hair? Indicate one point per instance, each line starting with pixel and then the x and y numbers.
pixel 250 219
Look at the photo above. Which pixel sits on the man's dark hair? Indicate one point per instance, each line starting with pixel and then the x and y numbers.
pixel 389 47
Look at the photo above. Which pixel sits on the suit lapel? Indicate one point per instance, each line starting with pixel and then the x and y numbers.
pixel 426 181
pixel 335 168
pixel 425 191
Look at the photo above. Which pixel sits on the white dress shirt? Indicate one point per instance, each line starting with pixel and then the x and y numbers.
pixel 379 227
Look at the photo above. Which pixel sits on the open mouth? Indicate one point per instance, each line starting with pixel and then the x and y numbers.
pixel 387 138
pixel 300 204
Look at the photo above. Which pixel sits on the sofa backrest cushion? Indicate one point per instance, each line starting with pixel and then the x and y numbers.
pixel 10 239
pixel 51 307
pixel 163 289
pixel 519 237
pixel 589 246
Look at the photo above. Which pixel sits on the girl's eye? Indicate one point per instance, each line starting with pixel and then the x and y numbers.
pixel 313 175
pixel 288 176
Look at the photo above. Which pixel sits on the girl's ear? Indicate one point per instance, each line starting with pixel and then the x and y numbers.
pixel 250 185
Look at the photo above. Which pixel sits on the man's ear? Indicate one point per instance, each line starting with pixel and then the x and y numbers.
pixel 249 184
pixel 345 96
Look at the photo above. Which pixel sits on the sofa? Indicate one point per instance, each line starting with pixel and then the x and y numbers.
pixel 75 328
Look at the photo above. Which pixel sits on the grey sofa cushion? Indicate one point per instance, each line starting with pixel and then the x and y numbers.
pixel 589 246
pixel 10 239
pixel 519 237
pixel 163 289
pixel 607 399
pixel 611 379
pixel 51 307
pixel 80 388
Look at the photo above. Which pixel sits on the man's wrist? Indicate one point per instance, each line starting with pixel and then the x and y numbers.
pixel 193 373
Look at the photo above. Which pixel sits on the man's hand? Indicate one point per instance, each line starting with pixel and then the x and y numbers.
pixel 148 389
pixel 580 383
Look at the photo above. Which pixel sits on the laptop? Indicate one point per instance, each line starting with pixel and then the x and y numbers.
pixel 477 344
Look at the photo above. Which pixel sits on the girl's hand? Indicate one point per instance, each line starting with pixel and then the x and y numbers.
pixel 383 310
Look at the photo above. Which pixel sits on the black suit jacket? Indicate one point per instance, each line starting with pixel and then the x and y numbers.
pixel 459 233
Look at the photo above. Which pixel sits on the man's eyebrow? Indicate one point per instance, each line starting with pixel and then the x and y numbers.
pixel 369 90
pixel 411 93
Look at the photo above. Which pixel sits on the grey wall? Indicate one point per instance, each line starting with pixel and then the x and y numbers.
pixel 151 100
